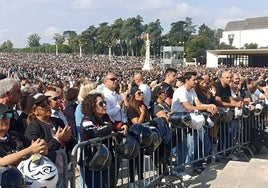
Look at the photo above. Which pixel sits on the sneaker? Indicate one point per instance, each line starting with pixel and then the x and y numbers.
pixel 184 176
pixel 233 157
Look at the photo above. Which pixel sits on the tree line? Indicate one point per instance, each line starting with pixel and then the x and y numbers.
pixel 126 37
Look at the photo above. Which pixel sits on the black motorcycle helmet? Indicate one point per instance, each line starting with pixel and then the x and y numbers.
pixel 101 158
pixel 11 177
pixel 180 119
pixel 142 133
pixel 246 112
pixel 229 115
pixel 129 148
pixel 156 141
pixel 216 118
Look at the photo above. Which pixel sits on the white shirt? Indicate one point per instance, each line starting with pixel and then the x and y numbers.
pixel 114 110
pixel 258 94
pixel 59 114
pixel 181 95
pixel 146 94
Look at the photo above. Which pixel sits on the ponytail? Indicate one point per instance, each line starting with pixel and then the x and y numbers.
pixel 30 118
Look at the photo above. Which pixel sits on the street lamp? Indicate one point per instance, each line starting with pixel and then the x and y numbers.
pixel 57 49
pixel 181 49
pixel 80 49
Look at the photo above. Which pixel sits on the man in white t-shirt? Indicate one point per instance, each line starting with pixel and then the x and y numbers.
pixel 185 100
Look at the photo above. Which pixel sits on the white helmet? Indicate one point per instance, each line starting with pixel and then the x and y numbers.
pixel 258 109
pixel 238 112
pixel 197 120
pixel 39 171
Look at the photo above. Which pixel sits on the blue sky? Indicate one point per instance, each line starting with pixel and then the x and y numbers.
pixel 20 18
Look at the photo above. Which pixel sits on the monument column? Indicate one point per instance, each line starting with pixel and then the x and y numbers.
pixel 147 64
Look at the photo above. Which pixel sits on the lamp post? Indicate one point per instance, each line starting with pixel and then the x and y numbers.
pixel 80 49
pixel 181 49
pixel 57 49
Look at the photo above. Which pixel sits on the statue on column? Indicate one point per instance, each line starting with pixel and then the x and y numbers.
pixel 147 64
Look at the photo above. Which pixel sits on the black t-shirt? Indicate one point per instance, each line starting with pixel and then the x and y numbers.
pixel 204 99
pixel 132 113
pixel 223 92
pixel 12 143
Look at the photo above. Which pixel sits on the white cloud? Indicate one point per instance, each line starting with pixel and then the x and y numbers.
pixel 3 34
pixel 230 14
pixel 233 12
pixel 179 12
pixel 221 23
pixel 83 4
pixel 50 31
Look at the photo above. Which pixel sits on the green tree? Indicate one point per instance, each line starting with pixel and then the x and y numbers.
pixel 196 48
pixel 181 32
pixel 209 33
pixel 218 35
pixel 88 39
pixel 251 46
pixel 68 34
pixel 189 28
pixel 117 36
pixel 33 40
pixel 155 30
pixel 71 38
pixel 6 46
pixel 131 29
pixel 59 39
pixel 104 37
pixel 224 46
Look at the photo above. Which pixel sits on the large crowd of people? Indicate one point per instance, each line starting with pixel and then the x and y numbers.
pixel 53 102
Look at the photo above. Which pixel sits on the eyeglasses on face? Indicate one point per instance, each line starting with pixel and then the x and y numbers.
pixel 102 103
pixel 7 114
pixel 55 98
pixel 113 79
pixel 140 93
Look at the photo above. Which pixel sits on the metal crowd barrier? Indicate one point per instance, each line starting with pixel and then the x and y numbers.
pixel 188 148
pixel 62 153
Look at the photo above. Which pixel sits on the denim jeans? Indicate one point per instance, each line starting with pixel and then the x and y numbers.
pixel 200 146
pixel 181 151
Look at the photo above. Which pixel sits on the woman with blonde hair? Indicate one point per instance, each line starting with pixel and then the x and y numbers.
pixel 84 89
pixel 83 92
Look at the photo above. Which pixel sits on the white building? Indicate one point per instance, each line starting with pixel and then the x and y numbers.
pixel 237 34
pixel 250 30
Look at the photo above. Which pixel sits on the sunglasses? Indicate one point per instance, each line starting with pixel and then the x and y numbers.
pixel 140 93
pixel 102 103
pixel 55 98
pixel 7 114
pixel 113 79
